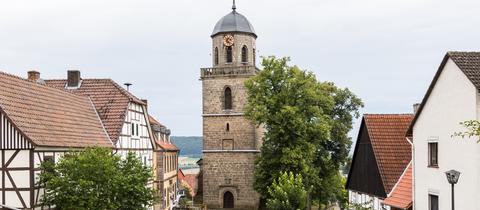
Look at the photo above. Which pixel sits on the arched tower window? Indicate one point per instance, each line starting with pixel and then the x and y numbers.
pixel 228 98
pixel 244 54
pixel 216 55
pixel 229 55
pixel 254 56
pixel 228 127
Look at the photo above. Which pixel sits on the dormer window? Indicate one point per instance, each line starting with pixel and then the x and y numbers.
pixel 229 54
pixel 244 54
pixel 228 98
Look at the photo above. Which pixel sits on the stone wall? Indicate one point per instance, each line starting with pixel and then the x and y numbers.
pixel 241 131
pixel 213 94
pixel 240 41
pixel 229 171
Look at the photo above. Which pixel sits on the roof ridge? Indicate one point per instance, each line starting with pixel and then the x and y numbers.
pixel 42 85
pixel 115 84
pixel 126 93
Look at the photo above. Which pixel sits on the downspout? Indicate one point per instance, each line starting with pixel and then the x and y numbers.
pixel 413 171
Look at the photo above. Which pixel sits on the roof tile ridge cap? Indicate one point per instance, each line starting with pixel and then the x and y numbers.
pixel 126 93
pixel 42 85
pixel 101 122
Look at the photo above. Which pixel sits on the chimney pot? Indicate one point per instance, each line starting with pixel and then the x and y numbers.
pixel 73 78
pixel 33 75
pixel 415 107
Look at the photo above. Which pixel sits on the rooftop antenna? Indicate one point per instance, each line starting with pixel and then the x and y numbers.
pixel 128 85
pixel 234 7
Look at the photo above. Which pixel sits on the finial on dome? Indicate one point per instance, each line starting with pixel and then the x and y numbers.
pixel 234 7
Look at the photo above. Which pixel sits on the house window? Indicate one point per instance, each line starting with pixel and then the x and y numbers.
pixel 229 55
pixel 133 129
pixel 433 154
pixel 216 55
pixel 228 98
pixel 432 202
pixel 244 54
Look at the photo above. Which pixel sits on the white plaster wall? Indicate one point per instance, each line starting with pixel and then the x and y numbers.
pixel 140 144
pixel 372 202
pixel 453 100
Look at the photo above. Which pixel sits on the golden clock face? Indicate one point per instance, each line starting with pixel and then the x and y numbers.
pixel 228 40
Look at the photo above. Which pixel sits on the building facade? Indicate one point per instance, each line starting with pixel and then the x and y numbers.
pixel 130 128
pixel 38 124
pixel 452 97
pixel 124 116
pixel 165 165
pixel 230 141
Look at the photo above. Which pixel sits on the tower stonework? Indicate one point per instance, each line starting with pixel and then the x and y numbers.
pixel 230 141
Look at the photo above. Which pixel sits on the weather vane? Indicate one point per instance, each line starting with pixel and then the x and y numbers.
pixel 234 7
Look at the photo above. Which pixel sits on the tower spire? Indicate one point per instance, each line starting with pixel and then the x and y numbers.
pixel 234 7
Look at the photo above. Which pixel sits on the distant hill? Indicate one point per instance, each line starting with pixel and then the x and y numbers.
pixel 190 146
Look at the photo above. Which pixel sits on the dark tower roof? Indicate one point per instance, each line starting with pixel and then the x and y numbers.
pixel 233 22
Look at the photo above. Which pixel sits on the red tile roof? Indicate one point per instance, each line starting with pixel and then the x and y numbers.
pixel 401 196
pixel 50 117
pixel 109 98
pixel 164 145
pixel 392 151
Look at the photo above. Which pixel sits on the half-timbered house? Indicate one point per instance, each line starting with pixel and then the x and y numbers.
pixel 381 155
pixel 124 116
pixel 37 124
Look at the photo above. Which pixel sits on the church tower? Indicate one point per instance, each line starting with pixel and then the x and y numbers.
pixel 230 141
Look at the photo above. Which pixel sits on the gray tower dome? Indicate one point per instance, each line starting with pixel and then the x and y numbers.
pixel 233 22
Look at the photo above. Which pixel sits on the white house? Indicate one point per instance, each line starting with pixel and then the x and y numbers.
pixel 124 116
pixel 37 124
pixel 452 97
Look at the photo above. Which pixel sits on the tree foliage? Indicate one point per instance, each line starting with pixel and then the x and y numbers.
pixel 97 179
pixel 473 129
pixel 287 193
pixel 307 124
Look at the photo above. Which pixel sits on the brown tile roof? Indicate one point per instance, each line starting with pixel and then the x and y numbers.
pixel 401 196
pixel 469 64
pixel 392 151
pixel 50 117
pixel 109 98
pixel 164 145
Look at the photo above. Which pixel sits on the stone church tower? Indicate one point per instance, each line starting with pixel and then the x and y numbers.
pixel 230 141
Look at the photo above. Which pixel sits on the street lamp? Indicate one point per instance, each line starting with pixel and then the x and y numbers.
pixel 452 177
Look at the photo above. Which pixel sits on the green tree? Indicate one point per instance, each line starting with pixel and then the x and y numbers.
pixel 473 129
pixel 307 124
pixel 96 179
pixel 287 193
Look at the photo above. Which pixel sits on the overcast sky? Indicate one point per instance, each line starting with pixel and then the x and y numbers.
pixel 385 51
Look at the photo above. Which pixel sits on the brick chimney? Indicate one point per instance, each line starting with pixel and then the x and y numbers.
pixel 33 75
pixel 73 78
